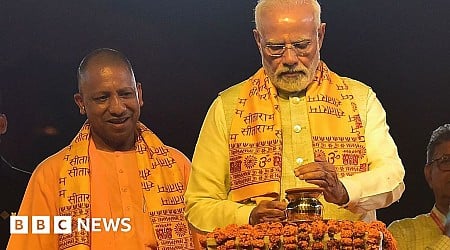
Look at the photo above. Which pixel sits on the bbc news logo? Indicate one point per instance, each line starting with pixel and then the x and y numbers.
pixel 63 224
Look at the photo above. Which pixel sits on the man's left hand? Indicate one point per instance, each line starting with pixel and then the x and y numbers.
pixel 323 174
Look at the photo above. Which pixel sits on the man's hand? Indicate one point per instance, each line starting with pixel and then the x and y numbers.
pixel 323 174
pixel 268 211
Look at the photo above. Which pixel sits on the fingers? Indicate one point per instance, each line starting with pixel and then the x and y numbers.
pixel 324 175
pixel 321 183
pixel 268 211
pixel 320 159
pixel 277 205
pixel 272 209
pixel 321 178
pixel 272 219
pixel 314 168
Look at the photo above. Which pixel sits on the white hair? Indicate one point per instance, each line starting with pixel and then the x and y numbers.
pixel 267 4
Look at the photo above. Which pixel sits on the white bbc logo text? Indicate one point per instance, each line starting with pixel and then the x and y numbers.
pixel 63 224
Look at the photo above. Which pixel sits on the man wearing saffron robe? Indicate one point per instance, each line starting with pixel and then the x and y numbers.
pixel 114 169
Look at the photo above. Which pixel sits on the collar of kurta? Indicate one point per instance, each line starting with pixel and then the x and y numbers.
pixel 438 218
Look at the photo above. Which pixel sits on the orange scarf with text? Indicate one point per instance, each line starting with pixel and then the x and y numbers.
pixel 156 169
pixel 255 143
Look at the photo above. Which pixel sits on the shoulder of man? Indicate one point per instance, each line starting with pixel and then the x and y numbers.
pixel 355 85
pixel 178 154
pixel 233 90
pixel 52 163
pixel 408 222
pixel 229 98
pixel 361 94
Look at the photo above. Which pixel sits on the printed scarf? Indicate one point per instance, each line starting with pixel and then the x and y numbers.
pixel 156 169
pixel 255 143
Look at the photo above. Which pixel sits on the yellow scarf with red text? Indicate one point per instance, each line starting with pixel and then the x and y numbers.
pixel 255 143
pixel 156 168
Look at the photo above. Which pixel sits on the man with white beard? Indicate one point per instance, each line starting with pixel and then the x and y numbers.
pixel 293 124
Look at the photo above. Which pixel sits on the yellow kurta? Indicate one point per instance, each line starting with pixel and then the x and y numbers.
pixel 208 202
pixel 420 233
pixel 115 193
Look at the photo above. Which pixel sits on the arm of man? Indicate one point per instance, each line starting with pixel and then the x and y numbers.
pixel 39 200
pixel 207 202
pixel 366 191
pixel 383 183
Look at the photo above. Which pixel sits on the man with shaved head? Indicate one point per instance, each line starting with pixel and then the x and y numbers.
pixel 293 124
pixel 115 169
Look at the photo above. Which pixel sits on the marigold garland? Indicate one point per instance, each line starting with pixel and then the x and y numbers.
pixel 315 235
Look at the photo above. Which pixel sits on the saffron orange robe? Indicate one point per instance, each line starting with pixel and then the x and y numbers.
pixel 115 193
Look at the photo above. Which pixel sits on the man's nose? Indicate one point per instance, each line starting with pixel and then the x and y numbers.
pixel 116 106
pixel 289 56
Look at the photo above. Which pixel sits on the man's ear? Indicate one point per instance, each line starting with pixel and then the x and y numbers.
pixel 139 92
pixel 257 37
pixel 428 177
pixel 321 34
pixel 3 124
pixel 79 101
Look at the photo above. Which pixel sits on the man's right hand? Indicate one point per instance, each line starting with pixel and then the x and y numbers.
pixel 268 211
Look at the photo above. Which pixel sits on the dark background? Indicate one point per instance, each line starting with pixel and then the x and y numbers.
pixel 184 52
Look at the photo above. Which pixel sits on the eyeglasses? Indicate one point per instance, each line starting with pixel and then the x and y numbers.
pixel 443 162
pixel 277 50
